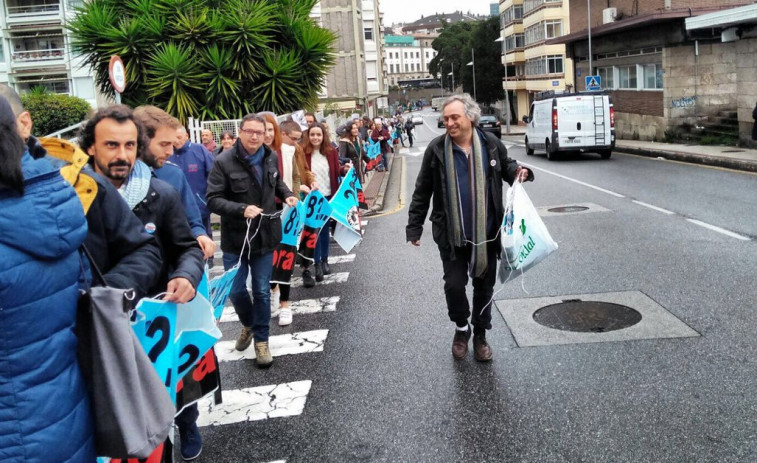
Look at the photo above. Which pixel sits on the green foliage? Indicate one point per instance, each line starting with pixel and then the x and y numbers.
pixel 53 111
pixel 454 45
pixel 208 58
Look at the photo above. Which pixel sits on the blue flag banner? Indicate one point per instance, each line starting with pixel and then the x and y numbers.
pixel 373 150
pixel 344 205
pixel 317 212
pixel 220 287
pixel 175 336
pixel 293 219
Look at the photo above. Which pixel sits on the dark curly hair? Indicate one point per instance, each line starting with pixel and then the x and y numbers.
pixel 120 113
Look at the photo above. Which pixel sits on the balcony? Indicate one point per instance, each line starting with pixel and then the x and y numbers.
pixel 32 11
pixel 36 57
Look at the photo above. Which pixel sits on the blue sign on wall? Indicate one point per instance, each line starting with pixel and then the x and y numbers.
pixel 555 83
pixel 593 83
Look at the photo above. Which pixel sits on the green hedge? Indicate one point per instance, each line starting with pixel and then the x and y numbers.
pixel 52 112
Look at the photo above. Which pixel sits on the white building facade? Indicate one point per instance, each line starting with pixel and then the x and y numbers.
pixel 35 49
pixel 408 58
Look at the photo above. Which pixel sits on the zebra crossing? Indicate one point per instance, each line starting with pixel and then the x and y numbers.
pixel 258 403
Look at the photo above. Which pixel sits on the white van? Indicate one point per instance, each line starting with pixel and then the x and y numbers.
pixel 559 123
pixel 436 103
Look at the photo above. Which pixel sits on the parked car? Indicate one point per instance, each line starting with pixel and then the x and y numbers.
pixel 440 122
pixel 491 124
pixel 417 119
pixel 572 122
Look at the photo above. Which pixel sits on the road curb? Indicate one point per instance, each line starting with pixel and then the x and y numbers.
pixel 378 205
pixel 715 161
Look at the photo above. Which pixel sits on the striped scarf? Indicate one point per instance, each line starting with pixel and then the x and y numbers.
pixel 477 266
pixel 136 187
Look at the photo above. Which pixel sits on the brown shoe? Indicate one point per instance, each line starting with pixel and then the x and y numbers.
pixel 460 343
pixel 263 357
pixel 481 350
pixel 245 339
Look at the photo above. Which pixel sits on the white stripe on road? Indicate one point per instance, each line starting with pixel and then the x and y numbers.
pixel 255 403
pixel 340 277
pixel 658 209
pixel 341 259
pixel 284 344
pixel 720 230
pixel 530 166
pixel 306 306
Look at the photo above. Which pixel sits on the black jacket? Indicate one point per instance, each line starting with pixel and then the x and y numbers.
pixel 163 215
pixel 431 182
pixel 232 187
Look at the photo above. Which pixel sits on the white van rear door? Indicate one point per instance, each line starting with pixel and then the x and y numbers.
pixel 575 121
pixel 601 120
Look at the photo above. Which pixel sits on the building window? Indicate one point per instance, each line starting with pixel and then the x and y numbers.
pixel 554 64
pixel 652 76
pixel 405 55
pixel 2 51
pixel 513 41
pixel 511 14
pixel 368 31
pixel 553 29
pixel 607 76
pixel 371 71
pixel 627 77
pixel 534 33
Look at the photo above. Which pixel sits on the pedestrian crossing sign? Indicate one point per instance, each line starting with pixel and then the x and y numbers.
pixel 593 82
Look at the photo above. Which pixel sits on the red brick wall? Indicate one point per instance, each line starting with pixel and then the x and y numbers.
pixel 638 102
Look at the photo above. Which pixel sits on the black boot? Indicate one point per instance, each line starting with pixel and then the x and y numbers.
pixel 307 278
pixel 318 272
pixel 326 267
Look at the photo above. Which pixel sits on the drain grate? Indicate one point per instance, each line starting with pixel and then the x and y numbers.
pixel 732 151
pixel 587 316
pixel 564 209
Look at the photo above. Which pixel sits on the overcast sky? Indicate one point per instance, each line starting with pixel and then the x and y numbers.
pixel 396 11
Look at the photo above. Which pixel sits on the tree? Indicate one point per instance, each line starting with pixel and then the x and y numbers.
pixel 209 58
pixel 53 111
pixel 454 46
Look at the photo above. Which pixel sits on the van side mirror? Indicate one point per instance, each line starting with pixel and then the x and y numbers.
pixel 526 119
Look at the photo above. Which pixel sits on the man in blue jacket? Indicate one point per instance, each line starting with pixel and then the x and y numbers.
pixel 196 161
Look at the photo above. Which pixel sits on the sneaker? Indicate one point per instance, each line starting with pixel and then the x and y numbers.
pixel 460 343
pixel 245 339
pixel 307 279
pixel 285 316
pixel 275 301
pixel 191 442
pixel 326 267
pixel 318 272
pixel 481 350
pixel 263 357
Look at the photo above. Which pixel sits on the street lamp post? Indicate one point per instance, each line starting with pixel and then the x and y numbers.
pixel 507 92
pixel 588 8
pixel 473 63
pixel 453 76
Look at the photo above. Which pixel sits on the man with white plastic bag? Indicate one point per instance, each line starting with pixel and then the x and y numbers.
pixel 464 171
pixel 525 239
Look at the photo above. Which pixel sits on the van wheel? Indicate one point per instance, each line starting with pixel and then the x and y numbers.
pixel 529 150
pixel 551 154
pixel 605 154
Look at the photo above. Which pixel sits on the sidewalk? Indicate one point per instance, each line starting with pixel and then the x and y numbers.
pixel 730 157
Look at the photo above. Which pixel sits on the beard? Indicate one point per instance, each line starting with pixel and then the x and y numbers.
pixel 116 170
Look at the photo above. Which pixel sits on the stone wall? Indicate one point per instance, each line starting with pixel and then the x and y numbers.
pixel 746 77
pixel 629 126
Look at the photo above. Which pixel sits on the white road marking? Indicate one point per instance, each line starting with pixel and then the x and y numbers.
pixel 720 230
pixel 284 344
pixel 341 259
pixel 255 403
pixel 612 193
pixel 340 277
pixel 658 209
pixel 303 307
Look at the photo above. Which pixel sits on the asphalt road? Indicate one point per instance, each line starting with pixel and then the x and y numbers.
pixel 384 387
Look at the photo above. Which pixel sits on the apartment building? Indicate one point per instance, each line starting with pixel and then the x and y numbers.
pixel 534 65
pixel 358 78
pixel 408 58
pixel 35 49
pixel 661 75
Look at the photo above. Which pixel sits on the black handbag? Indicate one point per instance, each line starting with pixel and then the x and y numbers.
pixel 132 410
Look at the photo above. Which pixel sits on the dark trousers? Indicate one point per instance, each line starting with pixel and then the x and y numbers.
pixel 455 281
pixel 187 417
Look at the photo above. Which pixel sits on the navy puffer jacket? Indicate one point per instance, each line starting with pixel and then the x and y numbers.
pixel 44 411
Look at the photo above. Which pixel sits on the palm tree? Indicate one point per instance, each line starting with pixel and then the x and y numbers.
pixel 212 59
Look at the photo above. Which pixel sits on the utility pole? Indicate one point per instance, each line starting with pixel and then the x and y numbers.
pixel 473 63
pixel 588 7
pixel 507 92
pixel 453 76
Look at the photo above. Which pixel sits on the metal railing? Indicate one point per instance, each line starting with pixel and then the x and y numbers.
pixel 33 10
pixel 38 55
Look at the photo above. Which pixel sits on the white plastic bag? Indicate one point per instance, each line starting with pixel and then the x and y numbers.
pixel 525 239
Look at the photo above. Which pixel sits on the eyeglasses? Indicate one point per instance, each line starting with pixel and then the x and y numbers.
pixel 250 132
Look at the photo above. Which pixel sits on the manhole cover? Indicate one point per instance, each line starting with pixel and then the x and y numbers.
pixel 587 316
pixel 568 209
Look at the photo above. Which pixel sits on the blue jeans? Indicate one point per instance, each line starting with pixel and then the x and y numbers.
pixel 323 243
pixel 254 313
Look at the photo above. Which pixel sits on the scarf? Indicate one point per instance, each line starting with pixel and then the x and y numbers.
pixel 136 186
pixel 478 264
pixel 256 162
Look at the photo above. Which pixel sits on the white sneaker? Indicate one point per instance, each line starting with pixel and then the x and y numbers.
pixel 275 301
pixel 285 316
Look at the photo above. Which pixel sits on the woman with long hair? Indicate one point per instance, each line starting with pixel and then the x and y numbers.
pixel 351 148
pixel 46 411
pixel 227 141
pixel 323 161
